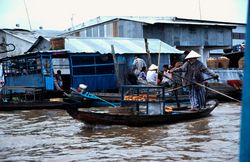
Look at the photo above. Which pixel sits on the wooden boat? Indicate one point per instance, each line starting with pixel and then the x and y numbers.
pixel 121 116
pixel 154 110
pixel 15 102
pixel 10 106
pixel 231 75
pixel 237 84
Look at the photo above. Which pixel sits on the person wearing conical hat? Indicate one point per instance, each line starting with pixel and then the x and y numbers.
pixel 152 74
pixel 194 70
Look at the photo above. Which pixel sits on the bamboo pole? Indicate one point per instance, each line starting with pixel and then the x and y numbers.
pixel 159 59
pixel 119 82
pixel 147 51
pixel 201 85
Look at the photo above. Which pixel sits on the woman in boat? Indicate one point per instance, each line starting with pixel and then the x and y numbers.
pixel 152 76
pixel 193 70
pixel 142 78
pixel 167 77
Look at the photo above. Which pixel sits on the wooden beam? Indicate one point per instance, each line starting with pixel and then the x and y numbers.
pixel 119 82
pixel 148 52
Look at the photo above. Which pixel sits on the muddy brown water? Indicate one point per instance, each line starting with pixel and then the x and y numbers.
pixel 52 135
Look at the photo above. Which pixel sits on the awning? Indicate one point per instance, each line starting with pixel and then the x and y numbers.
pixel 121 45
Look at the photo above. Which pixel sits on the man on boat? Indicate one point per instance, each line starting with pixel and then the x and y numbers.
pixel 138 63
pixel 193 70
pixel 58 80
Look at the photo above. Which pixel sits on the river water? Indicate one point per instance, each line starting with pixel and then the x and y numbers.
pixel 52 135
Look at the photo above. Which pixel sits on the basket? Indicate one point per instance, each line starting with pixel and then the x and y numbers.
pixel 223 62
pixel 241 63
pixel 212 63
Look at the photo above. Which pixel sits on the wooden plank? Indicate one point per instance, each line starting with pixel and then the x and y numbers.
pixel 20 88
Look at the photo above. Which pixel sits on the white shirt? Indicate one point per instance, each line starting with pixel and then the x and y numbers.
pixel 152 77
pixel 167 78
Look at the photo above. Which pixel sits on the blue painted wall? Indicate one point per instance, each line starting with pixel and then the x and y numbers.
pixel 32 80
pixel 245 113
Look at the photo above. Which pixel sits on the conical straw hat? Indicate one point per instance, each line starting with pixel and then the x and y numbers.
pixel 192 54
pixel 153 67
pixel 83 86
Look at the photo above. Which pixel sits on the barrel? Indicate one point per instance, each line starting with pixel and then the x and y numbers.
pixel 212 63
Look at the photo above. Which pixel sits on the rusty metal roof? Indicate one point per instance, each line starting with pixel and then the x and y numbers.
pixel 121 45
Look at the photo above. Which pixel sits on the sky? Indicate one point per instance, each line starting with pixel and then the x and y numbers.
pixel 62 14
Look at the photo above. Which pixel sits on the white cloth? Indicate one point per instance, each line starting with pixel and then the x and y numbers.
pixel 152 77
pixel 167 78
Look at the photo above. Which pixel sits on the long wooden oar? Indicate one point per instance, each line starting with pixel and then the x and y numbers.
pixel 201 85
pixel 91 96
pixel 181 86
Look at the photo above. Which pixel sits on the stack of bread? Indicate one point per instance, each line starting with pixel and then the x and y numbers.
pixel 142 97
pixel 168 109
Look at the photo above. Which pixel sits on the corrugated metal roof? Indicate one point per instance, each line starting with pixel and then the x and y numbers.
pixel 48 33
pixel 31 36
pixel 147 20
pixel 121 45
pixel 25 35
pixel 102 19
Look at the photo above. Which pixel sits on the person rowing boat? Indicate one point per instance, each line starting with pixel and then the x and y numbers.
pixel 193 73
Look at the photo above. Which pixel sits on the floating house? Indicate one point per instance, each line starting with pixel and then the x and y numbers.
pixel 18 40
pixel 184 34
pixel 21 39
pixel 100 63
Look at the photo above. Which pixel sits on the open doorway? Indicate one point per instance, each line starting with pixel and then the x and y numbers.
pixel 62 64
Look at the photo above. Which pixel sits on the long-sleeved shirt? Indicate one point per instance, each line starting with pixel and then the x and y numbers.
pixel 193 72
pixel 138 63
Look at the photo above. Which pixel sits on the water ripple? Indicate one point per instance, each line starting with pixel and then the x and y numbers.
pixel 52 135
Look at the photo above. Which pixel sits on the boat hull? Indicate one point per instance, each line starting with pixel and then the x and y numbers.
pixel 43 104
pixel 106 118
